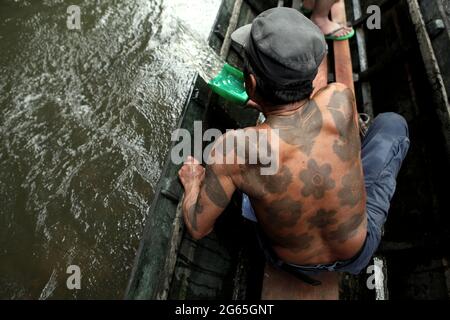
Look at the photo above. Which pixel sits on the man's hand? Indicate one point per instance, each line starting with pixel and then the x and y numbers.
pixel 191 174
pixel 207 192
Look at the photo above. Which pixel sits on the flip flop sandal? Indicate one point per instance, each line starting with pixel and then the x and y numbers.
pixel 364 121
pixel 330 36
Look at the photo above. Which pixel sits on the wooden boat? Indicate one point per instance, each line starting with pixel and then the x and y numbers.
pixel 403 67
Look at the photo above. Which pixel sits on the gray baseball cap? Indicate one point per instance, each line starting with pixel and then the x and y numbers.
pixel 282 46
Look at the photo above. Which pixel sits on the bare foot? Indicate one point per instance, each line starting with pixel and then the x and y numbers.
pixel 309 4
pixel 327 26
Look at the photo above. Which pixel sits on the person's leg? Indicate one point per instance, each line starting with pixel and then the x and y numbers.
pixel 383 151
pixel 320 17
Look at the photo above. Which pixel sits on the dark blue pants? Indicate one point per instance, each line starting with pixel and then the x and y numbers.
pixel 383 150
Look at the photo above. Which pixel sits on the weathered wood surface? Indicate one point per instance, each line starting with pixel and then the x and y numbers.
pixel 280 285
pixel 432 64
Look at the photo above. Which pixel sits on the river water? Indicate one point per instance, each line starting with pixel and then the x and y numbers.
pixel 85 124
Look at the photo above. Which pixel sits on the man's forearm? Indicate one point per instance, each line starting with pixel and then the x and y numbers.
pixel 189 206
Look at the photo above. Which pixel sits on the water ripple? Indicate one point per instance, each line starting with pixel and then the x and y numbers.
pixel 84 129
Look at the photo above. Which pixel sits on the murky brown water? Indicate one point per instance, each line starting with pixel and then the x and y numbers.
pixel 85 126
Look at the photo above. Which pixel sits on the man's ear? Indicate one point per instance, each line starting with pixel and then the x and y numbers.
pixel 250 86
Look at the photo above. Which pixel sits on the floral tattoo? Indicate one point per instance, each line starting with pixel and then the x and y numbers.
pixel 316 179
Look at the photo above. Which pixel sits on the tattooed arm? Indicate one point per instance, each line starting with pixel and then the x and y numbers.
pixel 207 193
pixel 344 98
pixel 342 107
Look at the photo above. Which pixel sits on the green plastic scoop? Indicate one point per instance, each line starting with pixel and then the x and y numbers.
pixel 229 84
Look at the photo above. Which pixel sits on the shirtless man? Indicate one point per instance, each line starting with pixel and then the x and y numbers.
pixel 319 211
